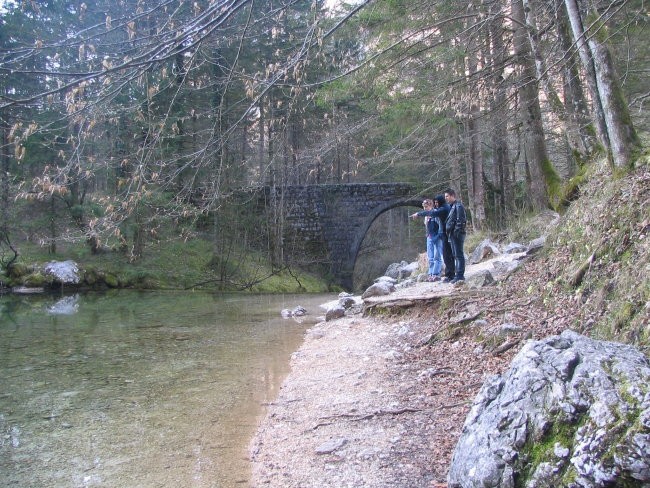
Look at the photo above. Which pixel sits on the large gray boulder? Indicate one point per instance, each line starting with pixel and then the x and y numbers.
pixel 394 270
pixel 378 289
pixel 514 247
pixel 486 249
pixel 64 272
pixel 335 312
pixel 399 271
pixel 536 245
pixel 570 412
pixel 480 279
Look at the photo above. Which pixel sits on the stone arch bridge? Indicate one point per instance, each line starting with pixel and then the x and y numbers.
pixel 327 223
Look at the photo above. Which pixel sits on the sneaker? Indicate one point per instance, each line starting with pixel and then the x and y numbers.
pixel 457 280
pixel 447 279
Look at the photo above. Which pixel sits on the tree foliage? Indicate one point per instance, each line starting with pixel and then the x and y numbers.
pixel 121 118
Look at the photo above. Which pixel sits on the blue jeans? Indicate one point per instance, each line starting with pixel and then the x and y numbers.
pixel 434 253
pixel 457 242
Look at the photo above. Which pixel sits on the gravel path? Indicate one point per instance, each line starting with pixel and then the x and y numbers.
pixel 372 402
pixel 340 419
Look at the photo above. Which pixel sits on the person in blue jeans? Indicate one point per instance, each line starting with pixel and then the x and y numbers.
pixel 435 238
pixel 455 227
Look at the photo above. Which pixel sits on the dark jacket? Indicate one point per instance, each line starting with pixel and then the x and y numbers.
pixel 434 226
pixel 441 213
pixel 456 220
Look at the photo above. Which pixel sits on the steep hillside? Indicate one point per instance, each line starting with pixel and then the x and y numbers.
pixel 598 262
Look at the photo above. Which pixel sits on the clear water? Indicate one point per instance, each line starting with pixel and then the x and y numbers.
pixel 136 389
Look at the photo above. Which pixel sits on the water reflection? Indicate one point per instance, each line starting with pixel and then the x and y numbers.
pixel 64 306
pixel 138 389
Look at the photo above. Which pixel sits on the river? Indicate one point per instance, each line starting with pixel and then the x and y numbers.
pixel 139 389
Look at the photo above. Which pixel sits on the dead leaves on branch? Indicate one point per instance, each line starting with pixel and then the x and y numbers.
pixel 18 137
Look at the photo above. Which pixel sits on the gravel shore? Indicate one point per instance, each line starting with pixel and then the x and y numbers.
pixel 379 401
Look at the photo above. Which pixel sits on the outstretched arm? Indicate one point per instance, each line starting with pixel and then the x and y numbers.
pixel 423 213
pixel 434 212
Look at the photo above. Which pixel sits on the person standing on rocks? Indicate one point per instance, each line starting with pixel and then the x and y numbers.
pixel 435 213
pixel 455 226
pixel 441 210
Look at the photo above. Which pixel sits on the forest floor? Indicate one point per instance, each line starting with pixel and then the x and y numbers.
pixel 379 399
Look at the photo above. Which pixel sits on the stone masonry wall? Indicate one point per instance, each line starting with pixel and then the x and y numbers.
pixel 330 221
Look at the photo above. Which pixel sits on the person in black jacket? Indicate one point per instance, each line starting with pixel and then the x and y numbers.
pixel 455 227
pixel 440 211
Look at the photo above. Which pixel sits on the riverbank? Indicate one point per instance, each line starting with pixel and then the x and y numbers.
pixel 380 400
pixel 171 264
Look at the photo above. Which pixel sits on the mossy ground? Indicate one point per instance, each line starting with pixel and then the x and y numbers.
pixel 182 264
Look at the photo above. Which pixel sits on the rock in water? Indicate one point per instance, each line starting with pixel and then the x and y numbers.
pixel 299 311
pixel 66 272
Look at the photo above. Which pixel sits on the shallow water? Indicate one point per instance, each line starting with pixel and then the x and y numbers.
pixel 136 389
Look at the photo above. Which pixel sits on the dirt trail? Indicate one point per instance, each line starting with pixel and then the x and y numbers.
pixel 372 402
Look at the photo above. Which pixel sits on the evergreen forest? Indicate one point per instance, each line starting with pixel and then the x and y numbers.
pixel 130 129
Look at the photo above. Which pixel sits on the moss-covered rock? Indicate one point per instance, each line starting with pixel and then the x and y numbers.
pixel 18 270
pixel 34 280
pixel 111 280
pixel 92 277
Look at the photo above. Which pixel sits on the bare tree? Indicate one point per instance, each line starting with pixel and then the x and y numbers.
pixel 536 155
pixel 615 128
pixel 575 104
pixel 499 109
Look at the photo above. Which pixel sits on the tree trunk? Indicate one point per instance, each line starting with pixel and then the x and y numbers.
pixel 270 134
pixel 5 239
pixel 475 161
pixel 294 147
pixel 260 149
pixel 623 139
pixel 536 154
pixel 337 142
pixel 574 97
pixel 597 112
pixel 51 248
pixel 570 130
pixel 4 177
pixel 499 116
pixel 456 142
pixel 470 136
pixel 138 236
pixel 455 169
pixel 475 171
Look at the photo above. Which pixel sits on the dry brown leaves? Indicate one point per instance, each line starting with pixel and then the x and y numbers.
pixel 451 370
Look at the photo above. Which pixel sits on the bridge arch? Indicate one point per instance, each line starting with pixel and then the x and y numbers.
pixel 347 268
pixel 329 222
